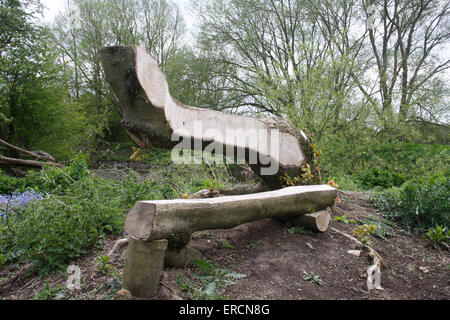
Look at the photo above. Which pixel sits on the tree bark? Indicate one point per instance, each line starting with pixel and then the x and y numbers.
pixel 176 220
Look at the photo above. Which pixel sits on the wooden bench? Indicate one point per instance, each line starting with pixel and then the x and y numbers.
pixel 161 230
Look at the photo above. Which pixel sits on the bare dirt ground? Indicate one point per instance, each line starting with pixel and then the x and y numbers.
pixel 274 261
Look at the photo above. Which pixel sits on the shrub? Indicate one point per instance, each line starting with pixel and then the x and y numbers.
pixel 419 204
pixel 8 184
pixel 49 179
pixel 375 177
pixel 56 180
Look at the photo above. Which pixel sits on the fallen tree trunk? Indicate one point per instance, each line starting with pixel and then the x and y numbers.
pixel 176 220
pixel 274 149
pixel 28 163
pixel 35 154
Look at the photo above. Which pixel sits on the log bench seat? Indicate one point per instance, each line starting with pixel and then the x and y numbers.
pixel 160 231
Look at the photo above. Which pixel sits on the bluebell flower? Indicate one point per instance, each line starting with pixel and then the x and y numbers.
pixel 18 201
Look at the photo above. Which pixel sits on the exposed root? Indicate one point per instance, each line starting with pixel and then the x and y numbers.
pixel 117 245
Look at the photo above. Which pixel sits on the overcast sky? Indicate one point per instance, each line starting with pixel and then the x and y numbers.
pixel 52 8
pixel 55 6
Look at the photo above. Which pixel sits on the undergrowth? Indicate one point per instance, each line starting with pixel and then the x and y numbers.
pixel 417 205
pixel 208 281
pixel 58 214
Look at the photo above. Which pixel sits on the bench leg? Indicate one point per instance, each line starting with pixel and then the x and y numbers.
pixel 179 258
pixel 318 221
pixel 144 264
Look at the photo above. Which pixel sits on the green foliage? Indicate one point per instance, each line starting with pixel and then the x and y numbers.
pixel 50 179
pixel 419 204
pixel 208 281
pixel 311 277
pixel 104 265
pixel 8 184
pixel 439 237
pixel 58 230
pixel 353 157
pixel 51 293
pixel 344 219
pixel 34 104
pixel 363 233
pixel 300 230
pixel 79 211
pixel 375 177
pixel 56 180
pixel 385 228
pixel 227 245
pixel 345 182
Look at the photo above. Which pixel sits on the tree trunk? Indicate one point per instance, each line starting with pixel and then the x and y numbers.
pixel 272 146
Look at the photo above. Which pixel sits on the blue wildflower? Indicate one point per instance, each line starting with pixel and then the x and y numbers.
pixel 18 201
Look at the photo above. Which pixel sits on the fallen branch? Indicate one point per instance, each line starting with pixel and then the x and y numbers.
pixel 28 163
pixel 374 269
pixel 35 154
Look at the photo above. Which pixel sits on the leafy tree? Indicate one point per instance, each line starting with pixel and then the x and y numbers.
pixel 88 25
pixel 402 80
pixel 276 58
pixel 34 104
